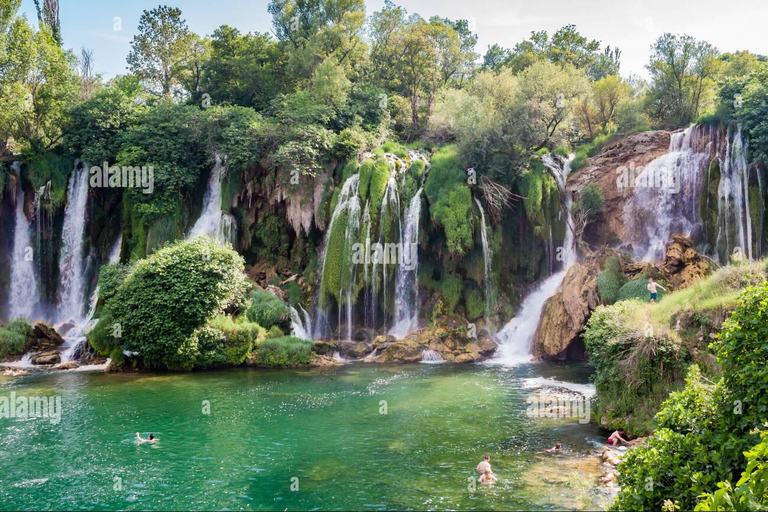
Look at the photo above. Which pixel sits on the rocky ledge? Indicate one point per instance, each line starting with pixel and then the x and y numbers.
pixel 450 344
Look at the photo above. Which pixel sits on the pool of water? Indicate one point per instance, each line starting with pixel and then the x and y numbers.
pixel 359 437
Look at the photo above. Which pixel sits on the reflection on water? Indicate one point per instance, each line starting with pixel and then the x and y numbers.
pixel 360 437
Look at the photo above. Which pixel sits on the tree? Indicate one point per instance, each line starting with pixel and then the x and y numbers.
pixel 37 84
pixel 596 112
pixel 683 72
pixel 160 51
pixel 48 15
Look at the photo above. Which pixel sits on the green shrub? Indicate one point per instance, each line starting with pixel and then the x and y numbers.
pixel 173 293
pixel 561 151
pixel 610 280
pixel 104 337
pixel 267 310
pixel 227 341
pixel 579 161
pixel 705 429
pixel 591 201
pixel 111 276
pixel 285 351
pixel 417 168
pixel 13 337
pixel 293 293
pixel 637 289
pixel 275 332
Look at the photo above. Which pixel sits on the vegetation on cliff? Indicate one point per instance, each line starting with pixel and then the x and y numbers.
pixel 705 429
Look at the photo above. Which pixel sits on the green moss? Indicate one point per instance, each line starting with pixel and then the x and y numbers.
pixel 379 179
pixel 474 303
pixel 337 271
pixel 366 171
pixel 54 168
pixel 451 287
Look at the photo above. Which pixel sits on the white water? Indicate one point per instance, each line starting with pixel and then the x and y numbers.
pixel 72 258
pixel 406 286
pixel 516 338
pixel 350 202
pixel 114 254
pixel 24 295
pixel 212 221
pixel 301 325
pixel 490 302
pixel 431 357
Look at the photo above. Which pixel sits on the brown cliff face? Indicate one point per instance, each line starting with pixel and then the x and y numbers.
pixel 606 169
pixel 566 312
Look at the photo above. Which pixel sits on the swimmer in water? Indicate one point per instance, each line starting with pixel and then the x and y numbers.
pixel 151 440
pixel 554 449
pixel 487 477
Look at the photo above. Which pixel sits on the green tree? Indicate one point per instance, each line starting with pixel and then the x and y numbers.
pixel 683 72
pixel 160 51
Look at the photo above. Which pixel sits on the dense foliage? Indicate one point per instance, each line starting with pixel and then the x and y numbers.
pixel 704 430
pixel 148 317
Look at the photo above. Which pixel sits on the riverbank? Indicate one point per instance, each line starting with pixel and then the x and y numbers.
pixel 355 437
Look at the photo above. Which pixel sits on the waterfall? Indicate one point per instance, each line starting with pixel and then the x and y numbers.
pixel 348 201
pixel 516 338
pixel 406 282
pixel 72 258
pixel 114 254
pixel 24 295
pixel 301 325
pixel 490 299
pixel 431 357
pixel 212 221
pixel 665 199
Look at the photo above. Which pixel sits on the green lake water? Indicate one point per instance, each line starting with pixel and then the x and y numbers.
pixel 298 440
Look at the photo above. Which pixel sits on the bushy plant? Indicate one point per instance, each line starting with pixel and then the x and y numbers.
pixel 474 304
pixel 173 293
pixel 451 287
pixel 266 309
pixel 283 352
pixel 13 337
pixel 705 429
pixel 610 280
pixel 111 276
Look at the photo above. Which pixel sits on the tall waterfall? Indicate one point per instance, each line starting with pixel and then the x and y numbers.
pixel 212 221
pixel 301 323
pixel 516 338
pixel 666 196
pixel 71 306
pixel 490 299
pixel 406 282
pixel 24 295
pixel 348 203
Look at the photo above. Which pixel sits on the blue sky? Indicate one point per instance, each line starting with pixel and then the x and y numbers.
pixel 632 25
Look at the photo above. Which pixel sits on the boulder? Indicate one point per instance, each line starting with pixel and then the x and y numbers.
pixel 325 362
pixel 400 351
pixel 43 337
pixel 49 357
pixel 325 348
pixel 69 365
pixel 682 264
pixel 610 457
pixel 353 349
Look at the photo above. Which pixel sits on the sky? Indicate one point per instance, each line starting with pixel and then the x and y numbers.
pixel 107 26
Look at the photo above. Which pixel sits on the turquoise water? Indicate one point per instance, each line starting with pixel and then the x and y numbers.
pixel 296 440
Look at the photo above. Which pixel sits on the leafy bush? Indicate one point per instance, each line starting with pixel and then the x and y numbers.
pixel 13 337
pixel 579 161
pixel 474 304
pixel 111 276
pixel 275 332
pixel 705 429
pixel 591 201
pixel 266 309
pixel 285 351
pixel 610 280
pixel 637 289
pixel 226 341
pixel 173 293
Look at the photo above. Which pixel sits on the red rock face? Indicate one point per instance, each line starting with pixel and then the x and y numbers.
pixel 606 169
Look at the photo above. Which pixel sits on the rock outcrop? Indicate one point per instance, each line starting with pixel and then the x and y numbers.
pixel 617 161
pixel 44 337
pixel 683 265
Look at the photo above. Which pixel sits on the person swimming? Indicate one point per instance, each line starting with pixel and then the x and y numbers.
pixel 554 449
pixel 8 372
pixel 151 440
pixel 488 477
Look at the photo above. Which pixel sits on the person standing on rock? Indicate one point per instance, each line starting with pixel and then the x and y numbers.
pixel 652 289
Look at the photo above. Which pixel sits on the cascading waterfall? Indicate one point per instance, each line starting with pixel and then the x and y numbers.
pixel 212 221
pixel 516 338
pixel 72 258
pixel 666 195
pixel 406 285
pixel 301 325
pixel 490 299
pixel 24 295
pixel 348 202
